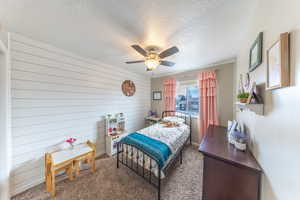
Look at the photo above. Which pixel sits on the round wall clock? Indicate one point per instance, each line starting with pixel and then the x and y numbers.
pixel 128 88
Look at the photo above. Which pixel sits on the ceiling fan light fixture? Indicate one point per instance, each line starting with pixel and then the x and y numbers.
pixel 152 63
pixel 152 58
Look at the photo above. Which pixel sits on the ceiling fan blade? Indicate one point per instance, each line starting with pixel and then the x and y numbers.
pixel 167 63
pixel 139 49
pixel 137 61
pixel 169 52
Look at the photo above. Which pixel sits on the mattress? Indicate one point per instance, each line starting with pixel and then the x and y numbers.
pixel 173 137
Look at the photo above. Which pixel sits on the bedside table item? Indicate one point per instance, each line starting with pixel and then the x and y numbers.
pixel 152 120
pixel 68 160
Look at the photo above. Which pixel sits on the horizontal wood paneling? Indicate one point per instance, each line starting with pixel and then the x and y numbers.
pixel 56 94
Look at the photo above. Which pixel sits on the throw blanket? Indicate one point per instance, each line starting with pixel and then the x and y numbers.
pixel 155 148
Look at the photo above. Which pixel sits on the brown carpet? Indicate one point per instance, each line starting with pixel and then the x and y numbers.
pixel 184 182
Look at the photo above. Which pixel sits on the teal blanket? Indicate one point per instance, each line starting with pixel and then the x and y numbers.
pixel 155 148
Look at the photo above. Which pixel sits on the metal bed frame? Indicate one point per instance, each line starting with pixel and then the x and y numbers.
pixel 133 164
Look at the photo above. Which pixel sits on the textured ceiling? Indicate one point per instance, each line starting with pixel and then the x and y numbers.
pixel 205 31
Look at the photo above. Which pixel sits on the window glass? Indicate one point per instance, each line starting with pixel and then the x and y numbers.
pixel 187 98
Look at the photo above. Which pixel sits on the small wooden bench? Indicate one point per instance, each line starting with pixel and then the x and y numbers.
pixel 68 160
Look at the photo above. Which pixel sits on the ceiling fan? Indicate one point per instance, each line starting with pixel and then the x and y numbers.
pixel 152 57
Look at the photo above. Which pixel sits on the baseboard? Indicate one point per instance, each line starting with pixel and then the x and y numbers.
pixel 100 156
pixel 25 187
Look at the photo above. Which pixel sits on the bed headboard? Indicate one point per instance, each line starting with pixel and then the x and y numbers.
pixel 187 118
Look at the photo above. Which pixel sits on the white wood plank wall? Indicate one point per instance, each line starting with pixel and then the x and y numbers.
pixel 56 94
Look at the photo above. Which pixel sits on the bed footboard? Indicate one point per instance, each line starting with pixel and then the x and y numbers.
pixel 137 163
pixel 126 157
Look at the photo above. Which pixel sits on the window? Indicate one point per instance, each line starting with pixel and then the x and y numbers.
pixel 187 97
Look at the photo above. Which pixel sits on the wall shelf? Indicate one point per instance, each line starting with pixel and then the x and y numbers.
pixel 256 108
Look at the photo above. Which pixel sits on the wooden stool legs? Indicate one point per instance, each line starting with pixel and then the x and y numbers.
pixel 51 170
pixel 93 163
pixel 90 160
pixel 93 155
pixel 52 185
pixel 69 165
pixel 49 174
pixel 69 171
pixel 77 168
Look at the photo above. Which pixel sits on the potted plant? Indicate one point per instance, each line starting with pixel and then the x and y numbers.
pixel 243 97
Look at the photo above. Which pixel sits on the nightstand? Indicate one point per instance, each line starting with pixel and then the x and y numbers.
pixel 151 120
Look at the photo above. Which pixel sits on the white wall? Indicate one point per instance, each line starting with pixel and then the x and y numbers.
pixel 4 125
pixel 56 94
pixel 276 135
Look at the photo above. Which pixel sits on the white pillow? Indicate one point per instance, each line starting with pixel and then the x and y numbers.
pixel 174 119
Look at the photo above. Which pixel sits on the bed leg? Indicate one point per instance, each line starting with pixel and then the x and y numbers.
pixel 190 130
pixel 118 155
pixel 158 192
pixel 181 156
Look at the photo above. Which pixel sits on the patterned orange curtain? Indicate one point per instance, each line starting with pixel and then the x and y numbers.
pixel 208 100
pixel 170 93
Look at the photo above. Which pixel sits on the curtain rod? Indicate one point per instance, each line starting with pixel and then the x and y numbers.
pixel 193 74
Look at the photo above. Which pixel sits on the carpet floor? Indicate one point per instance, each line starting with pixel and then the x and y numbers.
pixel 184 182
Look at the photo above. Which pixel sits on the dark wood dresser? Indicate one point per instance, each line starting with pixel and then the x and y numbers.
pixel 228 174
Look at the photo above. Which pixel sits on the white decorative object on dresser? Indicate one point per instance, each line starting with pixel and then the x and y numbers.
pixel 115 131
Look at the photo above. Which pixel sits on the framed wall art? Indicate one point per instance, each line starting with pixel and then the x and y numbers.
pixel 255 56
pixel 156 95
pixel 278 61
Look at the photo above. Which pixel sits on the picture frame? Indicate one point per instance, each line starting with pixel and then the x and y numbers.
pixel 255 55
pixel 157 95
pixel 278 63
